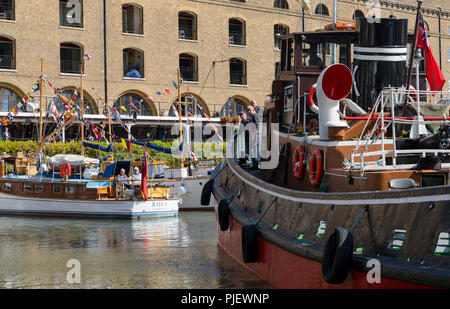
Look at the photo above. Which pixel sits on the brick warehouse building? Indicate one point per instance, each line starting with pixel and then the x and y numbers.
pixel 226 50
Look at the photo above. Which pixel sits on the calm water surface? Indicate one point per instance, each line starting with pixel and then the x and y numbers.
pixel 179 252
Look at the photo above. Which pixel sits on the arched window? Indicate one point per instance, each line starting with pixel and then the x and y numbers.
pixel 132 19
pixel 279 30
pixel 233 107
pixel 8 99
pixel 236 31
pixel 281 4
pixel 71 58
pixel 73 93
pixel 358 14
pixel 187 26
pixel 131 102
pixel 238 72
pixel 7 9
pixel 71 13
pixel 7 53
pixel 133 63
pixel 191 106
pixel 189 67
pixel 321 9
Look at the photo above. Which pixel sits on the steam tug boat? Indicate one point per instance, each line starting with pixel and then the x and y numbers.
pixel 356 204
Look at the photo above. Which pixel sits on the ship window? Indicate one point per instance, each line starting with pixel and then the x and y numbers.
pixel 27 187
pixel 433 180
pixel 38 188
pixel 56 189
pixel 7 186
pixel 322 228
pixel 443 244
pixel 311 55
pixel 70 190
pixel 290 54
pixel 397 239
pixel 341 53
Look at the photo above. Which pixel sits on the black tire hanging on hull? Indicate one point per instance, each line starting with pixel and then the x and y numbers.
pixel 223 214
pixel 249 243
pixel 206 192
pixel 337 256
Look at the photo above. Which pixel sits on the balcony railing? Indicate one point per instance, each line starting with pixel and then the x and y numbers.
pixel 71 66
pixel 132 26
pixel 7 62
pixel 133 71
pixel 7 11
pixel 237 38
pixel 186 33
pixel 237 78
pixel 188 74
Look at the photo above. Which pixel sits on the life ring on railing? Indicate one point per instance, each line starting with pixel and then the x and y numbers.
pixel 65 170
pixel 316 168
pixel 310 99
pixel 299 162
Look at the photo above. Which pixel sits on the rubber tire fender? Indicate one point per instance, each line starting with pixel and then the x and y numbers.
pixel 206 192
pixel 249 243
pixel 337 256
pixel 223 214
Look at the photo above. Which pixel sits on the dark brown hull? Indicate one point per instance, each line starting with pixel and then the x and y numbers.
pixel 287 262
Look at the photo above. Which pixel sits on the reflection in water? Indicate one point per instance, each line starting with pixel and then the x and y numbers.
pixel 178 252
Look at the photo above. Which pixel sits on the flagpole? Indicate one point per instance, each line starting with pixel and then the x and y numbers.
pixel 411 59
pixel 41 104
pixel 181 121
pixel 82 107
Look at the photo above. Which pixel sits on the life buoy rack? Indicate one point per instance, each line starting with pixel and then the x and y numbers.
pixel 65 170
pixel 310 99
pixel 316 168
pixel 299 162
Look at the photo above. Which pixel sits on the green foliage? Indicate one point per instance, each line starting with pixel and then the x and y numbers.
pixel 209 150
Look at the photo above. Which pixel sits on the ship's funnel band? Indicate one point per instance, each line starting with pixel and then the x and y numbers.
pixel 379 58
pixel 381 50
pixel 381 54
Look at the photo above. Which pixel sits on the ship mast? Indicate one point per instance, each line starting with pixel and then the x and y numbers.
pixel 181 121
pixel 41 104
pixel 82 108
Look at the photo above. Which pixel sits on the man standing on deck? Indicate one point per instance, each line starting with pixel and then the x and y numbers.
pixel 256 119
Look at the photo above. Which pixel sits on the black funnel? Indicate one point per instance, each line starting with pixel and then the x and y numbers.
pixel 379 57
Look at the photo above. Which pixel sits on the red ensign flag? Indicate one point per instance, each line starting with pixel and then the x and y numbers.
pixel 434 75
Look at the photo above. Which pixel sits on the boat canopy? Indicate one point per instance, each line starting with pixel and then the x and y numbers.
pixel 71 159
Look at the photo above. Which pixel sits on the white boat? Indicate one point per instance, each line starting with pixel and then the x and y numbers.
pixel 64 197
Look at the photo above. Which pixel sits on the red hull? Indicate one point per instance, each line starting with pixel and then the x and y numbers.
pixel 285 270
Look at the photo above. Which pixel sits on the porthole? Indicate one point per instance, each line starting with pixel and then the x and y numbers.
pixel 70 190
